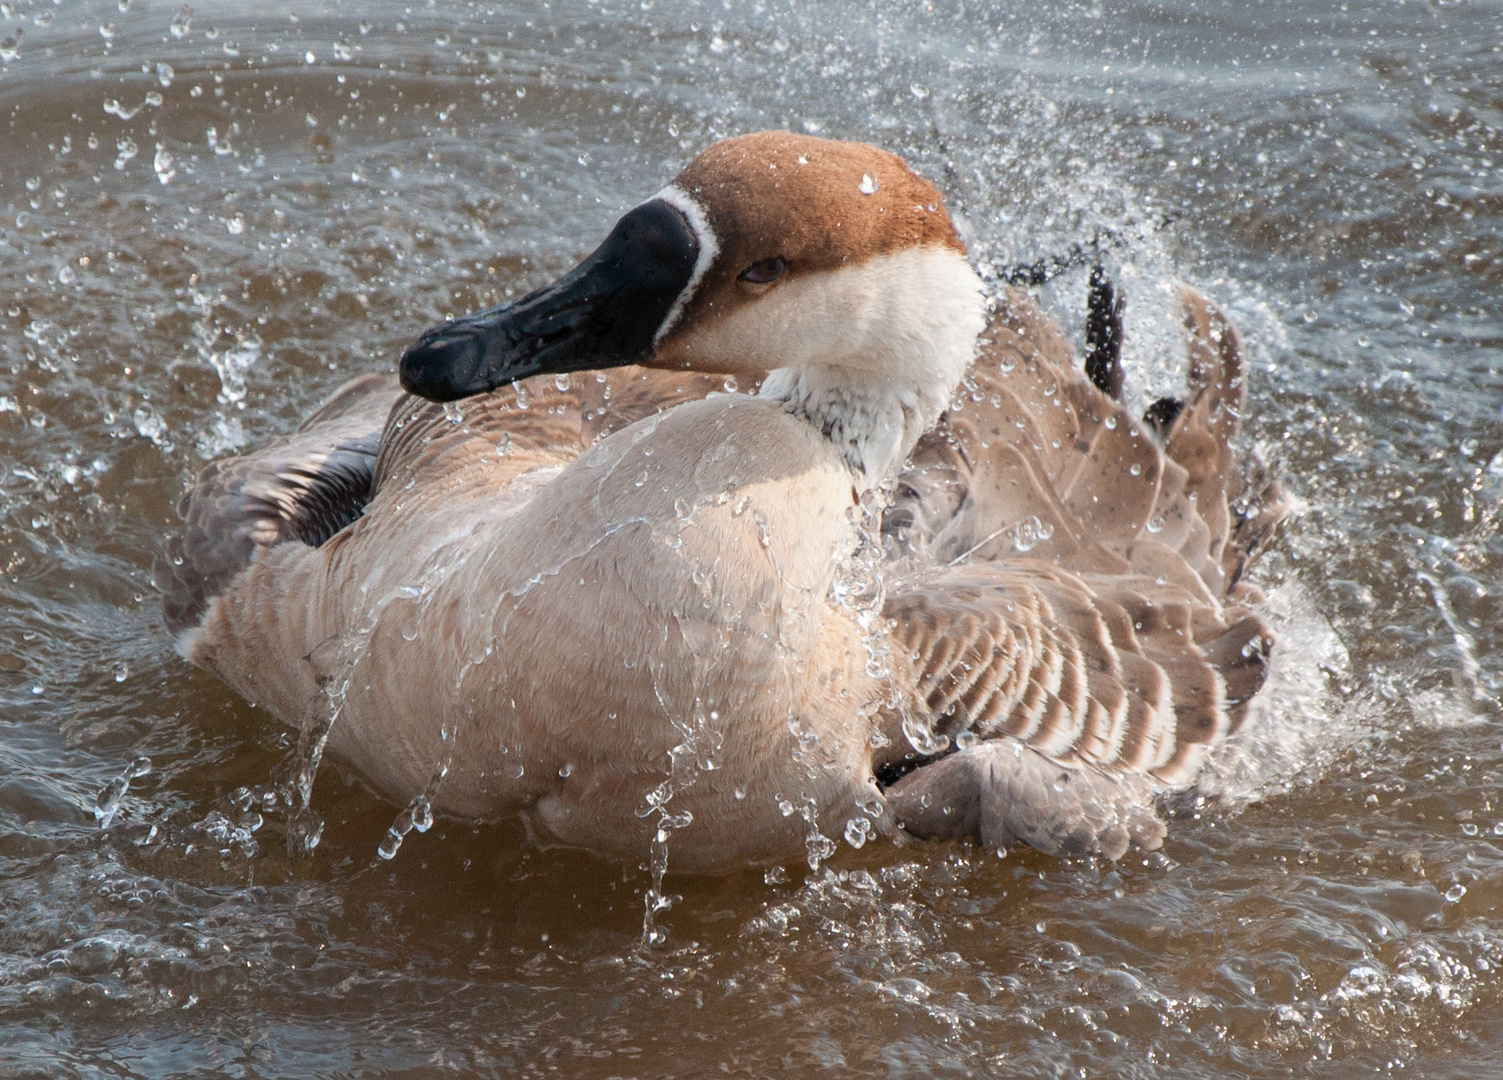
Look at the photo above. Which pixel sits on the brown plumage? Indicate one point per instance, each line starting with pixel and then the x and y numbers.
pixel 1096 613
pixel 630 597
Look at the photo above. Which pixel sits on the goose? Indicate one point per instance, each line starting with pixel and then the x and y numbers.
pixel 931 579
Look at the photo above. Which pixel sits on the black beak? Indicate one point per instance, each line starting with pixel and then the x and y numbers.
pixel 603 313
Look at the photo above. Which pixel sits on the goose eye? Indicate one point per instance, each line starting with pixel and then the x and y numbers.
pixel 764 272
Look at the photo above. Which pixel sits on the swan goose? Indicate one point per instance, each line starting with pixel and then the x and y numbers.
pixel 607 596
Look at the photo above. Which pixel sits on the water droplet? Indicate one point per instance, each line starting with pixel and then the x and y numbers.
pixel 1311 315
pixel 162 164
pixel 452 412
pixel 561 380
pixel 1455 893
pixel 182 22
pixel 567 770
pixel 121 671
pixel 236 225
pixel 730 384
pixel 1110 423
pixel 1135 469
pixel 918 90
pixel 922 737
pixel 165 74
pixel 967 740
pixel 857 831
pixel 682 508
pixel 868 185
pixel 1155 524
pixel 126 150
pixel 422 814
pixel 739 793
pixel 1028 534
pixel 503 444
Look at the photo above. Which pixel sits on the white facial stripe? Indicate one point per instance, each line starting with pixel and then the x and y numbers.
pixel 709 249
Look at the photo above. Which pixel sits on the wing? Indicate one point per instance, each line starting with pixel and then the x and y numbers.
pixel 305 486
pixel 1081 629
pixel 1035 458
pixel 309 485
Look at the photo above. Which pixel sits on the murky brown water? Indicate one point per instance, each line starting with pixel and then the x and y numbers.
pixel 207 223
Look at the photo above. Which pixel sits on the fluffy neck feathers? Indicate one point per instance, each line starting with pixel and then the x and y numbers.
pixel 885 371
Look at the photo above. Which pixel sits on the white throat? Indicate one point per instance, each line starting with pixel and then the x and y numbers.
pixel 876 350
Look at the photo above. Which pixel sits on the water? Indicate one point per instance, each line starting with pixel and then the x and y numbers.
pixel 210 218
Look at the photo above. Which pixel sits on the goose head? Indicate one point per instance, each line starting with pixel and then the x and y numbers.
pixel 830 265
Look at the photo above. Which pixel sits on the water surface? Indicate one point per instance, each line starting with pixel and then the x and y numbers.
pixel 210 218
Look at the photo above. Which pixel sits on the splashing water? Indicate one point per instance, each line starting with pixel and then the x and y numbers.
pixel 685 760
pixel 107 802
pixel 860 588
pixel 418 814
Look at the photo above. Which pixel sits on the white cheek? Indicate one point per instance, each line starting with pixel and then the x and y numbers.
pixel 880 317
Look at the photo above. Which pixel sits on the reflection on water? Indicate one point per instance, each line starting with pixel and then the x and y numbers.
pixel 209 217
